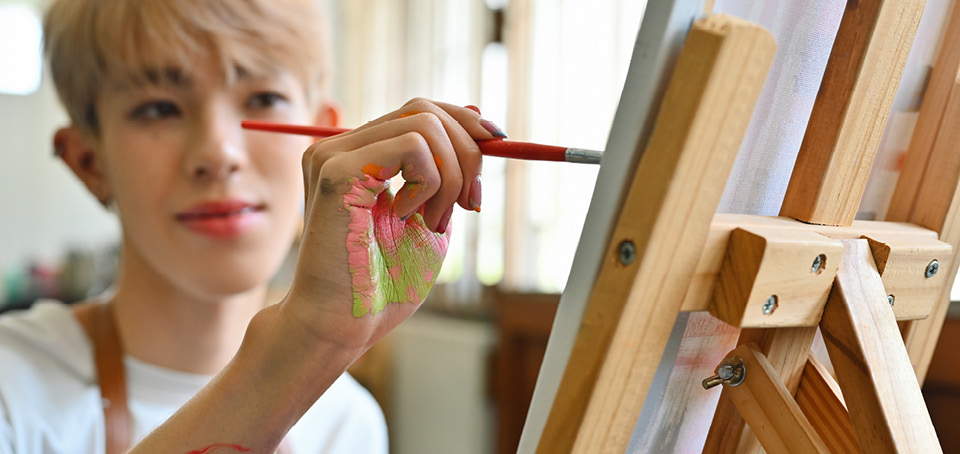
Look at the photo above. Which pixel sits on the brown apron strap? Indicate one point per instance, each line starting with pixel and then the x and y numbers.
pixel 97 321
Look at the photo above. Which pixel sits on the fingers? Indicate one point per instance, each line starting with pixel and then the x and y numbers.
pixel 407 154
pixel 464 126
pixel 444 138
pixel 439 153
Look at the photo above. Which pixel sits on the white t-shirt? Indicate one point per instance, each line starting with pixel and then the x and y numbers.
pixel 50 400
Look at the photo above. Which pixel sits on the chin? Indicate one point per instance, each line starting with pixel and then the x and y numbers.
pixel 225 276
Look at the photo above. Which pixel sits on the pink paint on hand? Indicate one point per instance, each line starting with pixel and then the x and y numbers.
pixel 217 448
pixel 391 260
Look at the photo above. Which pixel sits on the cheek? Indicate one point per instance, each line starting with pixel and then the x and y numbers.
pixel 279 164
pixel 139 179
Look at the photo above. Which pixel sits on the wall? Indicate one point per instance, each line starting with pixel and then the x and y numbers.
pixel 43 208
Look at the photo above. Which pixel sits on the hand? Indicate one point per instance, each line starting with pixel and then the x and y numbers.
pixel 368 258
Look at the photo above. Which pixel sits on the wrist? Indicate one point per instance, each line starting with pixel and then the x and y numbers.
pixel 286 355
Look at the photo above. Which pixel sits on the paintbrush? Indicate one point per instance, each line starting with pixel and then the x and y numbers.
pixel 494 147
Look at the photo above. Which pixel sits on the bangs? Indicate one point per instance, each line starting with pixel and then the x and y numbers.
pixel 141 35
pixel 126 40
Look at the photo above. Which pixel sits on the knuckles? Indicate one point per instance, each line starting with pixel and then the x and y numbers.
pixel 420 103
pixel 316 155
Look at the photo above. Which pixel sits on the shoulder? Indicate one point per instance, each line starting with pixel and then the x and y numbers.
pixel 48 390
pixel 46 336
pixel 346 419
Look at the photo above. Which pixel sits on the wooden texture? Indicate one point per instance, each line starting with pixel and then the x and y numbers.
pixel 851 110
pixel 773 263
pixel 523 324
pixel 932 111
pixel 702 288
pixel 786 350
pixel 926 191
pixel 769 408
pixel 666 214
pixel 820 399
pixel 902 264
pixel 937 207
pixel 873 369
pixel 659 42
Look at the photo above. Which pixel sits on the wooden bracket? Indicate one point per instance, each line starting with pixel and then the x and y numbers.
pixel 707 275
pixel 768 408
pixel 774 277
pixel 910 270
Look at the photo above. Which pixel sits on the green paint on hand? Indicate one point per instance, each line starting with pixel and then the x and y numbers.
pixel 391 260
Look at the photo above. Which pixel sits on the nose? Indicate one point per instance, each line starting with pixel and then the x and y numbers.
pixel 215 148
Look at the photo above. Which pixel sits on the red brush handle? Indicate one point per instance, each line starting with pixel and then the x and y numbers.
pixel 496 147
pixel 315 131
pixel 522 150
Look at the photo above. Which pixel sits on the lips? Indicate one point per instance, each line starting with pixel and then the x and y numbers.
pixel 221 218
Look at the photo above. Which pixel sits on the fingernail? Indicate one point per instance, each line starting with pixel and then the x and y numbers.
pixel 418 210
pixel 444 221
pixel 410 114
pixel 473 108
pixel 492 128
pixel 475 195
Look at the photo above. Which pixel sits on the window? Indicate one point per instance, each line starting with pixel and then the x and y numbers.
pixel 20 53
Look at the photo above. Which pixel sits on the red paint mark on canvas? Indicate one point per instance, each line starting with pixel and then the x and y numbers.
pixel 210 449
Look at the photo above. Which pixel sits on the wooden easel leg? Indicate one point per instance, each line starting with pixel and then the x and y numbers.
pixel 871 362
pixel 820 400
pixel 664 221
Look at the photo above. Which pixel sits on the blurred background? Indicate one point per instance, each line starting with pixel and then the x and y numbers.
pixel 459 375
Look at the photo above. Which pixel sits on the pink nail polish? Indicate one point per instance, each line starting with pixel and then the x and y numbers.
pixel 444 221
pixel 493 129
pixel 475 195
pixel 473 108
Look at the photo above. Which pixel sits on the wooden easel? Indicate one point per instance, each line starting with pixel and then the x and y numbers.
pixel 779 278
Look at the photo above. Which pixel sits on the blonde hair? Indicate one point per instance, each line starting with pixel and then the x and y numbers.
pixel 87 41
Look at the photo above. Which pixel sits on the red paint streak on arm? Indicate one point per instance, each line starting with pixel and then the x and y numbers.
pixel 210 449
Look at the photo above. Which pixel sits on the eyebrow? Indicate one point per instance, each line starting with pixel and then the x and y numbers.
pixel 167 76
pixel 170 76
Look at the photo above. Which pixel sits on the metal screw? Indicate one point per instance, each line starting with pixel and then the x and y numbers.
pixel 932 269
pixel 731 372
pixel 770 305
pixel 628 252
pixel 890 299
pixel 817 263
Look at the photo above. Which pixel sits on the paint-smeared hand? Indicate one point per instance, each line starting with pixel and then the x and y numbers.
pixel 391 259
pixel 369 258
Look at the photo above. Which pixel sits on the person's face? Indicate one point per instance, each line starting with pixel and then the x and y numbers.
pixel 207 206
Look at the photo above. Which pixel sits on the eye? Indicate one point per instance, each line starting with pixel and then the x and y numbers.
pixel 155 110
pixel 265 100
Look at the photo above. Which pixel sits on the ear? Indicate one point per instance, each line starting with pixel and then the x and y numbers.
pixel 328 114
pixel 77 151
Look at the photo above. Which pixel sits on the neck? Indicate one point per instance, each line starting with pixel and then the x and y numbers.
pixel 162 324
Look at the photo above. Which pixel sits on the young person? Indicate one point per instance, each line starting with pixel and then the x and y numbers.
pixel 156 91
